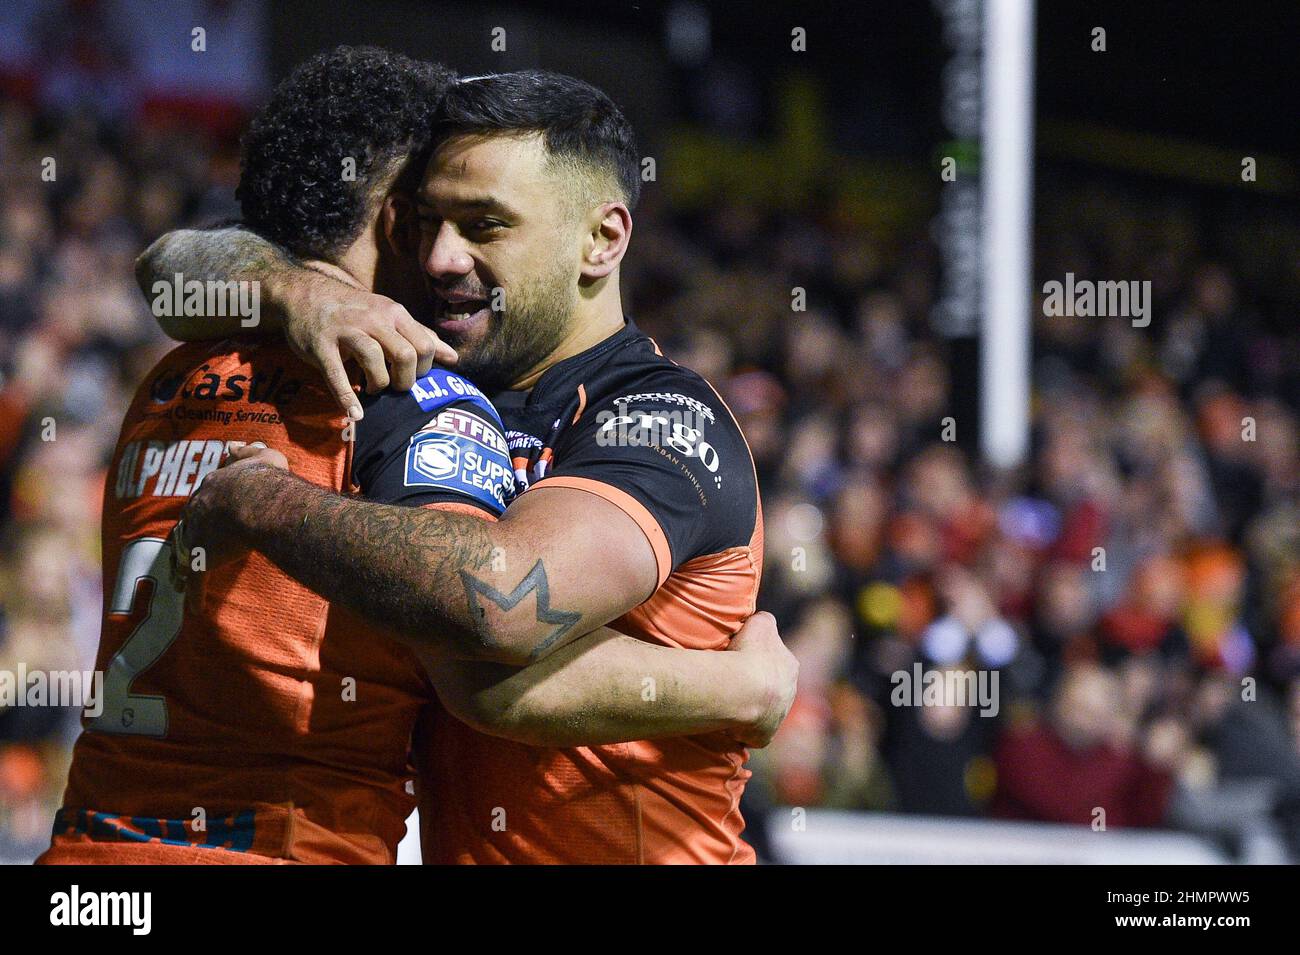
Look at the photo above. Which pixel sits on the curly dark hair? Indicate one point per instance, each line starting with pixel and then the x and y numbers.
pixel 361 103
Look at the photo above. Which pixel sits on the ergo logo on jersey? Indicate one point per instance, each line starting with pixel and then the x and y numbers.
pixel 658 428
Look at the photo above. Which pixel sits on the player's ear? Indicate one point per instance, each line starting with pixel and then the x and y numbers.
pixel 611 229
pixel 397 223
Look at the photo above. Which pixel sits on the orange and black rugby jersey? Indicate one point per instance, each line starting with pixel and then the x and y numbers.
pixel 622 422
pixel 248 715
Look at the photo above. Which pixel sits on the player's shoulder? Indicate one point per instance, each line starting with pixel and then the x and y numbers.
pixel 660 432
pixel 441 438
pixel 201 398
pixel 640 382
pixel 393 417
pixel 666 385
pixel 225 370
pixel 209 394
pixel 436 389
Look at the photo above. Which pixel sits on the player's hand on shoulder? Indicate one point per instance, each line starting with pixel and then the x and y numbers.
pixel 776 676
pixel 329 320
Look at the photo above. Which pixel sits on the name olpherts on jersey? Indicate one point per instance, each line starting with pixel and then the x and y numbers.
pixel 75 907
pixel 168 468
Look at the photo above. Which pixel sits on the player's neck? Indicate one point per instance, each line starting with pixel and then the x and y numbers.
pixel 594 321
pixel 361 263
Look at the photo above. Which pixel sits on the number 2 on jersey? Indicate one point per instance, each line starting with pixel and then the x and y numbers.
pixel 145 585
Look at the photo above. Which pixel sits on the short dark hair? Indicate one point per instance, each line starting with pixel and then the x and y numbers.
pixel 370 105
pixel 579 124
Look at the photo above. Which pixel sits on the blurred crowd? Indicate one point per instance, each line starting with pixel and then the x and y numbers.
pixel 1136 586
pixel 79 198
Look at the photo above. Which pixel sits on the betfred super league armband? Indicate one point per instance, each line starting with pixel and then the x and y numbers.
pixel 440 387
pixel 462 450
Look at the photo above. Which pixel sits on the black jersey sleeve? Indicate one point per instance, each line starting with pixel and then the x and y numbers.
pixel 673 447
pixel 440 442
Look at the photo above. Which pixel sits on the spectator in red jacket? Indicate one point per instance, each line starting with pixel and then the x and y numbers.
pixel 1074 765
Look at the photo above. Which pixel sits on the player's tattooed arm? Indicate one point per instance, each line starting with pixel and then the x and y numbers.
pixel 226 253
pixel 327 316
pixel 559 564
pixel 609 688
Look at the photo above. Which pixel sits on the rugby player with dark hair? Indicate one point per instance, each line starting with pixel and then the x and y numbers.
pixel 247 719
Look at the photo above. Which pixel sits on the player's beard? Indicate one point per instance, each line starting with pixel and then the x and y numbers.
pixel 536 316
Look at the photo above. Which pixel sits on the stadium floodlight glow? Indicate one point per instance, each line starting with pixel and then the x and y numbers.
pixel 1005 267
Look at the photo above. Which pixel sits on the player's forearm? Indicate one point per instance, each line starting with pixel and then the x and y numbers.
pixel 608 688
pixel 221 255
pixel 426 574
